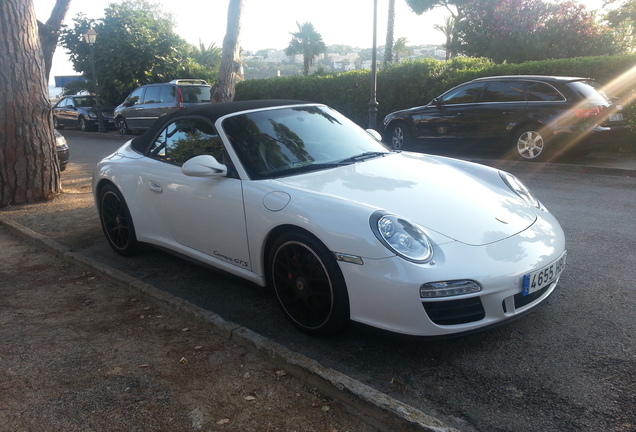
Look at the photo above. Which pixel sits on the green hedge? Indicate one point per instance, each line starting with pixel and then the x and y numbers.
pixel 413 83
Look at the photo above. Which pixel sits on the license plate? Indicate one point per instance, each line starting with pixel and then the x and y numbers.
pixel 616 117
pixel 541 278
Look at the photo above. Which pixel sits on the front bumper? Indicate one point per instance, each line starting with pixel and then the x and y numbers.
pixel 386 293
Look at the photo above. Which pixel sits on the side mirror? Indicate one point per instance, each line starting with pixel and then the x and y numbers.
pixel 375 134
pixel 204 166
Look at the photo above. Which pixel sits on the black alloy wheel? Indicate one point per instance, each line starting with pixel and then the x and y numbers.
pixel 308 284
pixel 56 123
pixel 117 223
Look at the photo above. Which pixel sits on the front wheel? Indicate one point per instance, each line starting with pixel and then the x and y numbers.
pixel 83 126
pixel 308 284
pixel 122 127
pixel 529 144
pixel 117 223
pixel 399 136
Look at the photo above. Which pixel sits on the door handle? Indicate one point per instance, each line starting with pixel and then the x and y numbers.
pixel 155 187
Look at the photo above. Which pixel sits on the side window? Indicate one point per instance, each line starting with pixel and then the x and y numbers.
pixel 168 93
pixel 135 97
pixel 185 139
pixel 463 94
pixel 152 94
pixel 503 91
pixel 541 92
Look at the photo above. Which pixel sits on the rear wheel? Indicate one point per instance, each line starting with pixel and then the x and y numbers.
pixel 530 143
pixel 308 284
pixel 56 123
pixel 117 223
pixel 400 136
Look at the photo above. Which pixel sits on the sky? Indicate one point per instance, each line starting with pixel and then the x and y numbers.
pixel 268 23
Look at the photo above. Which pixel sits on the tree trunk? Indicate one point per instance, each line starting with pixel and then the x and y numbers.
pixel 50 32
pixel 390 30
pixel 224 88
pixel 29 171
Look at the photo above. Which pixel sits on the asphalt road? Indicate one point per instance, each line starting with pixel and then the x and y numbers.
pixel 568 366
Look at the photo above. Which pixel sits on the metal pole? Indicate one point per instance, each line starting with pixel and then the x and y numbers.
pixel 373 104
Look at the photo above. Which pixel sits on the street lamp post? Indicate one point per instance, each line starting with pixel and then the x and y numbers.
pixel 90 38
pixel 373 103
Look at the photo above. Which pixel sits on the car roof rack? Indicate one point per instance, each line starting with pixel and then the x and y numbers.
pixel 189 81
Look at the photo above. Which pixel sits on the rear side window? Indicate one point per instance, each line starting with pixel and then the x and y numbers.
pixel 185 139
pixel 195 94
pixel 463 94
pixel 542 92
pixel 168 93
pixel 503 91
pixel 590 90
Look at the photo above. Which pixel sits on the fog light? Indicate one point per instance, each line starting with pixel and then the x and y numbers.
pixel 448 288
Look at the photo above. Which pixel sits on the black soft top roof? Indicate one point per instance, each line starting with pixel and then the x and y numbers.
pixel 212 112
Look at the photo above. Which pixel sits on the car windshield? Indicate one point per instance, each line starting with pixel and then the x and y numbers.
pixel 285 141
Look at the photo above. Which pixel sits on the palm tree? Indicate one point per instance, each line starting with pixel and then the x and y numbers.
pixel 447 29
pixel 209 56
pixel 308 42
pixel 400 48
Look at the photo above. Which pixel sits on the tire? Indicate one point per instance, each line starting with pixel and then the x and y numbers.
pixel 400 137
pixel 529 143
pixel 56 123
pixel 116 221
pixel 83 126
pixel 122 127
pixel 308 284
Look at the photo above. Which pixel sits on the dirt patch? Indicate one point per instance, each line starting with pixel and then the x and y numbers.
pixel 82 353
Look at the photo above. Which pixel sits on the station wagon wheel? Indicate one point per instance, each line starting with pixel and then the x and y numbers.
pixel 400 136
pixel 117 223
pixel 122 127
pixel 308 284
pixel 529 143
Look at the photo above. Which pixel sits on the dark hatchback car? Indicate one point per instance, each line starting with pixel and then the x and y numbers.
pixel 81 111
pixel 147 103
pixel 527 116
pixel 62 150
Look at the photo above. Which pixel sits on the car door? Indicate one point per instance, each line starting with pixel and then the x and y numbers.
pixel 132 111
pixel 451 118
pixel 67 112
pixel 149 109
pixel 502 105
pixel 202 214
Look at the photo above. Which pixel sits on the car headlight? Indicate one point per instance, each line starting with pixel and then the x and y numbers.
pixel 519 188
pixel 405 239
pixel 92 115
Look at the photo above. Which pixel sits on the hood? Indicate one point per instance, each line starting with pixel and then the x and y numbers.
pixel 428 192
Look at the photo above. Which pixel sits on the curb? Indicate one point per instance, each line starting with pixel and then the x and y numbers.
pixel 383 411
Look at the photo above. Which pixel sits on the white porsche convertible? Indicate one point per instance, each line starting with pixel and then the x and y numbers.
pixel 295 196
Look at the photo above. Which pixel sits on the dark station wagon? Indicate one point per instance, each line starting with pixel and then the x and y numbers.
pixel 528 116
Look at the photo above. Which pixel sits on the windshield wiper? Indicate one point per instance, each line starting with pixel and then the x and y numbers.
pixel 363 156
pixel 309 167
